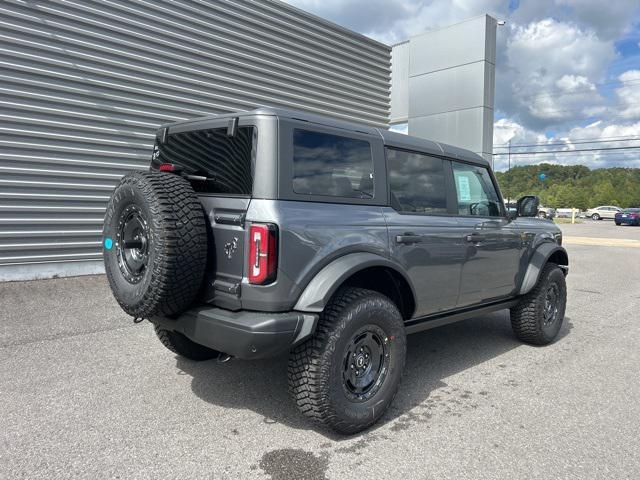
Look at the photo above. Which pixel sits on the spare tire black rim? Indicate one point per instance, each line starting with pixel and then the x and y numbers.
pixel 366 363
pixel 132 244
pixel 551 300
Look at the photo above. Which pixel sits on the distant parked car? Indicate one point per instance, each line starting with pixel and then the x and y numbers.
pixel 628 215
pixel 568 212
pixel 605 211
pixel 544 212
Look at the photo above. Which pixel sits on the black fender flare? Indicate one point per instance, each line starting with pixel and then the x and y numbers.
pixel 325 283
pixel 538 260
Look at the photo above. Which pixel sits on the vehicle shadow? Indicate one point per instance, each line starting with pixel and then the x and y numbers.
pixel 432 356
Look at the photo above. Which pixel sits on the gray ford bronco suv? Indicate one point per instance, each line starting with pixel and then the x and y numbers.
pixel 271 231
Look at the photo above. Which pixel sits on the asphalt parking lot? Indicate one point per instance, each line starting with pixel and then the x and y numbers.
pixel 86 393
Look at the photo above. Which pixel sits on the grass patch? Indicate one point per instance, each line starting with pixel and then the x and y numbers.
pixel 567 220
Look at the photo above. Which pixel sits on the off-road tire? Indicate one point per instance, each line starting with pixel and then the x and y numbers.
pixel 527 317
pixel 176 249
pixel 181 345
pixel 316 367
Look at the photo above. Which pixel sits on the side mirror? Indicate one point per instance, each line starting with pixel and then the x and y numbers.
pixel 512 213
pixel 528 206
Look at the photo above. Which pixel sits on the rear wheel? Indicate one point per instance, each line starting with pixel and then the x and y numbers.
pixel 595 216
pixel 618 223
pixel 538 317
pixel 347 374
pixel 181 345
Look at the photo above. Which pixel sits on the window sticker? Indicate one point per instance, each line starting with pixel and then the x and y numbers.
pixel 464 189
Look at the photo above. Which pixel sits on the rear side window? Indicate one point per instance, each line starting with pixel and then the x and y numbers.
pixel 417 182
pixel 225 163
pixel 476 193
pixel 331 165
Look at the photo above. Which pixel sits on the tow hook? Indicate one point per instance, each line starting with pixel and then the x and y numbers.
pixel 138 319
pixel 224 358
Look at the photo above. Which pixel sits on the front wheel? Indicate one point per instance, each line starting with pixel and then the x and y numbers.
pixel 347 374
pixel 538 317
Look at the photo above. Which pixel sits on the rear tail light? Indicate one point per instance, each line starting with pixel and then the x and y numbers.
pixel 263 253
pixel 169 167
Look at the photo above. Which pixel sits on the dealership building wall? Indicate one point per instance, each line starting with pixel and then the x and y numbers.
pixel 84 85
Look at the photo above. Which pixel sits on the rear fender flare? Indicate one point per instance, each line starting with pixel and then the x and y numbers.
pixel 538 260
pixel 325 283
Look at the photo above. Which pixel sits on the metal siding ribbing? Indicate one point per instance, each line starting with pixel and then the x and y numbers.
pixel 84 85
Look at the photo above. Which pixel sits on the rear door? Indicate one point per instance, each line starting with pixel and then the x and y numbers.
pixel 493 243
pixel 220 168
pixel 423 237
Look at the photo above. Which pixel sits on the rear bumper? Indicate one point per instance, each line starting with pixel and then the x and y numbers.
pixel 630 221
pixel 243 334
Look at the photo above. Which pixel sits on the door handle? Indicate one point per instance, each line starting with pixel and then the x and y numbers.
pixel 474 238
pixel 408 238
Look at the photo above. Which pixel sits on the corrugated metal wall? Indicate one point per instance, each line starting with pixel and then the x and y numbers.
pixel 84 84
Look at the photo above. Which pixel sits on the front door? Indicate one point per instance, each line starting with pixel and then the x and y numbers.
pixel 493 244
pixel 423 236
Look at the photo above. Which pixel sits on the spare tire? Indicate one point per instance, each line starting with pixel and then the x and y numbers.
pixel 154 244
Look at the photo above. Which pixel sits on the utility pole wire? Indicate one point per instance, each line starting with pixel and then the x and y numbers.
pixel 568 143
pixel 568 151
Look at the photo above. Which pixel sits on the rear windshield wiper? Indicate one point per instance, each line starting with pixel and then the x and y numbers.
pixel 368 195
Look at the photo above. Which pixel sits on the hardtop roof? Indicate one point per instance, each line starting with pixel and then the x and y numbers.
pixel 390 138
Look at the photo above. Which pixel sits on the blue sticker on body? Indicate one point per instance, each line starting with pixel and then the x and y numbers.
pixel 108 243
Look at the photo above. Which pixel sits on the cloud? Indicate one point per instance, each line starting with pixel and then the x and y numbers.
pixel 629 95
pixel 608 19
pixel 596 135
pixel 552 68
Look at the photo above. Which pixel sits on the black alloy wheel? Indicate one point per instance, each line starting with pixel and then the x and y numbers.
pixel 551 305
pixel 132 244
pixel 366 363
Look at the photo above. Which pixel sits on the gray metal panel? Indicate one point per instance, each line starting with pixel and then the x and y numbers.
pixel 451 84
pixel 469 129
pixel 450 89
pixel 85 83
pixel 400 83
pixel 449 46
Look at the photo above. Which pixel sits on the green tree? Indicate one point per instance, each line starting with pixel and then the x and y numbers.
pixel 573 186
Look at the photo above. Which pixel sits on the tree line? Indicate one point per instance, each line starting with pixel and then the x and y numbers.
pixel 573 186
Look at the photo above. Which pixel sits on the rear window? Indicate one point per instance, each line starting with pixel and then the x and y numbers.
pixel 331 165
pixel 226 162
pixel 417 182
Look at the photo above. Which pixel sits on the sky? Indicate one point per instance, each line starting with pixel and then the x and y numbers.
pixel 567 71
